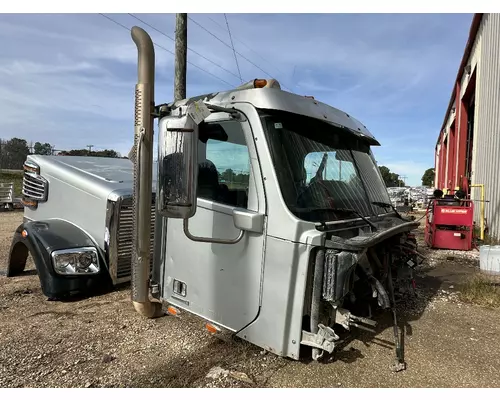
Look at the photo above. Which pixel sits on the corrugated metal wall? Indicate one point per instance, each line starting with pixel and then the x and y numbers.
pixel 486 162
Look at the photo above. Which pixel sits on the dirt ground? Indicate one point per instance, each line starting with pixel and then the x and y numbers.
pixel 103 342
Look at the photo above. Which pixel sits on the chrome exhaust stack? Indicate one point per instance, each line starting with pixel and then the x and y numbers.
pixel 142 157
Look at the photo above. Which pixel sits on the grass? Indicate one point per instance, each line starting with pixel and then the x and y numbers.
pixel 13 176
pixel 481 290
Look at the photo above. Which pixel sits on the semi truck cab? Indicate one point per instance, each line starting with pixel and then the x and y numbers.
pixel 301 237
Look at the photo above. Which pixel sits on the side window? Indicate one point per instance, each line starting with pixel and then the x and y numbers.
pixel 225 174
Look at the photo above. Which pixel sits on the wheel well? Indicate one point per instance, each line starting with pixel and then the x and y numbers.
pixel 18 257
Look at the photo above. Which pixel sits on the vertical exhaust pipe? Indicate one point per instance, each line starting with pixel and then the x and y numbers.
pixel 142 157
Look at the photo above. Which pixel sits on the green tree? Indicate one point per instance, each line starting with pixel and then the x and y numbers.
pixel 386 174
pixel 228 175
pixel 85 153
pixel 428 177
pixel 75 152
pixel 234 180
pixel 14 153
pixel 105 153
pixel 44 149
pixel 390 178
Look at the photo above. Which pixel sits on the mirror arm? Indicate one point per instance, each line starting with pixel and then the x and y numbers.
pixel 232 111
pixel 210 240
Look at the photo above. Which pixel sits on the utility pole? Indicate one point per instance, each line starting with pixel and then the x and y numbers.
pixel 90 148
pixel 180 56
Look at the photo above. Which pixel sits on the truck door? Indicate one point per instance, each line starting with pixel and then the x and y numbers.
pixel 220 282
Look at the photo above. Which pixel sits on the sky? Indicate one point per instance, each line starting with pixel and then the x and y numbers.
pixel 68 79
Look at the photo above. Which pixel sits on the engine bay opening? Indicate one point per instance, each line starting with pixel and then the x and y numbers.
pixel 352 290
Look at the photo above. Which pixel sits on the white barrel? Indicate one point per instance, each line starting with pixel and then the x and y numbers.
pixel 489 259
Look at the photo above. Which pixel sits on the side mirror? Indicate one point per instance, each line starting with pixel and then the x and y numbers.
pixel 178 167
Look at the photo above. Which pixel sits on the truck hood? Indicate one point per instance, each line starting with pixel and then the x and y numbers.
pixel 97 175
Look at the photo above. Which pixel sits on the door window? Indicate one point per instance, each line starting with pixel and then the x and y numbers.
pixel 225 174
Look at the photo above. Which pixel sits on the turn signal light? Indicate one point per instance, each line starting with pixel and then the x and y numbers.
pixel 259 83
pixel 29 203
pixel 172 311
pixel 30 168
pixel 211 328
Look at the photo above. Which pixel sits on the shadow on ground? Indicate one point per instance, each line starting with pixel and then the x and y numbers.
pixel 178 372
pixel 191 369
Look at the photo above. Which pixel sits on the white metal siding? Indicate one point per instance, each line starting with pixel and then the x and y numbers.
pixel 451 119
pixel 474 58
pixel 477 101
pixel 473 62
pixel 437 166
pixel 486 163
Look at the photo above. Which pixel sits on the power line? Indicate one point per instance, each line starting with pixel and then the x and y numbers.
pixel 170 51
pixel 193 51
pixel 234 50
pixel 229 46
pixel 116 22
pixel 248 47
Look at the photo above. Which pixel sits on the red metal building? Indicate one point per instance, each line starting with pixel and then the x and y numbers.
pixel 468 146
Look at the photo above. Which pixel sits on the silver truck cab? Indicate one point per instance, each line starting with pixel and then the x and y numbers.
pixel 245 260
pixel 304 243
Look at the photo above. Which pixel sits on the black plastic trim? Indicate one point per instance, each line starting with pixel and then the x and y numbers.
pixel 40 239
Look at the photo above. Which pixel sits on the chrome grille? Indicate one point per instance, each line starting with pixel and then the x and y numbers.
pixel 34 185
pixel 124 240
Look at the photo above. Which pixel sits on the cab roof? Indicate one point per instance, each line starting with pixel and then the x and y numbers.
pixel 270 96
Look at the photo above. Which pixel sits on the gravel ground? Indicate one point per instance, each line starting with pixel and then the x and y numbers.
pixel 103 342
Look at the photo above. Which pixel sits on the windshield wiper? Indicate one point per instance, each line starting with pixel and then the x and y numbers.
pixel 351 211
pixel 387 205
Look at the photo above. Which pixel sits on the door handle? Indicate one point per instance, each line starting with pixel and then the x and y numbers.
pixel 249 221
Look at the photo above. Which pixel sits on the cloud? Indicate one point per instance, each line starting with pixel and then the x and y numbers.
pixel 69 78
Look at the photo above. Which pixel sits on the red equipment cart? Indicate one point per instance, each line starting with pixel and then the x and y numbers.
pixel 450 224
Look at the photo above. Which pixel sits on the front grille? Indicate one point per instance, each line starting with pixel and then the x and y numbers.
pixel 124 240
pixel 34 187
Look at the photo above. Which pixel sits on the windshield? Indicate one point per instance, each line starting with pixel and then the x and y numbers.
pixel 323 171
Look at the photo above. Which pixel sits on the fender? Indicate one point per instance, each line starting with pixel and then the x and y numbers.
pixel 40 239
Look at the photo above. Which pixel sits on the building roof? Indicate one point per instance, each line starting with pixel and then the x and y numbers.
pixel 476 22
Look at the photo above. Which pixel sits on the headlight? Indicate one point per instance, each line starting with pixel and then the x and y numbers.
pixel 80 261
